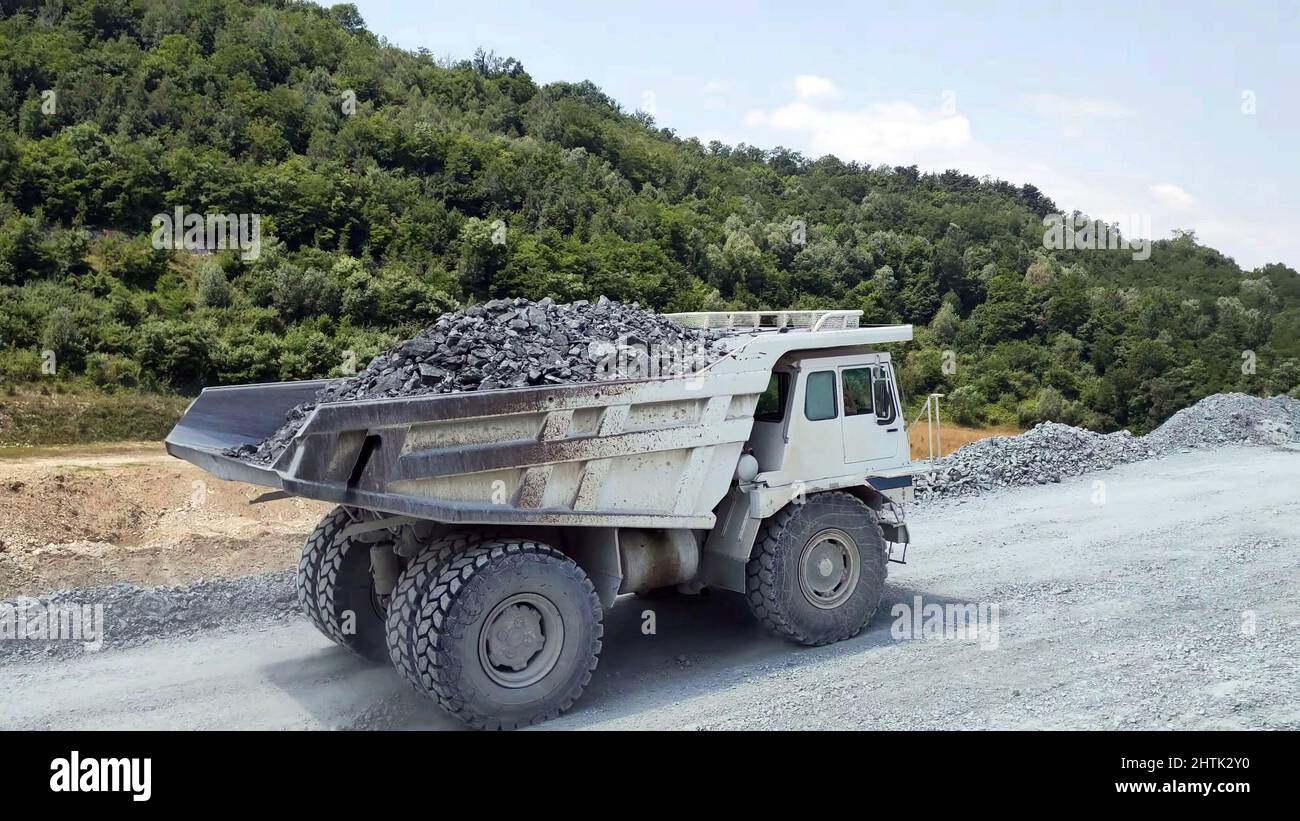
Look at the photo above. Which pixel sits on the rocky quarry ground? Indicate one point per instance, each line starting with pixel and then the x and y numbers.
pixel 1048 454
pixel 1172 603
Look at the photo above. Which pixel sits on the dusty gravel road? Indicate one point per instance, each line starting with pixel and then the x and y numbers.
pixel 1175 603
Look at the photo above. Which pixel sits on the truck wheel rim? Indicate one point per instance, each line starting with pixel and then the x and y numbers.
pixel 521 640
pixel 829 568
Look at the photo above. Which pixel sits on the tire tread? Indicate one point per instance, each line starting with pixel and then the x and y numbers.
pixel 763 591
pixel 435 622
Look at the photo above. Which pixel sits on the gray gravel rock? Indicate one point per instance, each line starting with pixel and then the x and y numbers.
pixel 133 615
pixel 1050 452
pixel 1230 419
pixel 515 343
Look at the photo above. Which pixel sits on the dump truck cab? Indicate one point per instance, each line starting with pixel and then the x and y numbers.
pixel 829 415
pixel 829 420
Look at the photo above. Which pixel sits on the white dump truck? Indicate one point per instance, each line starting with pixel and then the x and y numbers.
pixel 479 535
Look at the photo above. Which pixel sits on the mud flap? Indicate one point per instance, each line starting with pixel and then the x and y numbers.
pixel 896 535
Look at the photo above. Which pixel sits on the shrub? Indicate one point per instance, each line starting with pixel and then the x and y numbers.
pixel 19 365
pixel 298 293
pixel 112 371
pixel 965 406
pixel 177 353
pixel 64 338
pixel 212 290
pixel 1050 406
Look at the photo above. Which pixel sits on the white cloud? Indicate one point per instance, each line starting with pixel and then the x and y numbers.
pixel 1172 196
pixel 649 102
pixel 894 132
pixel 1071 114
pixel 1054 105
pixel 810 85
pixel 714 94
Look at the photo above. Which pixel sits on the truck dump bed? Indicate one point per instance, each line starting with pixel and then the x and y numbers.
pixel 652 453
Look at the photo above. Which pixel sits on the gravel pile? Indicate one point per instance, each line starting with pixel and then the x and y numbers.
pixel 1050 452
pixel 513 343
pixel 1230 419
pixel 133 615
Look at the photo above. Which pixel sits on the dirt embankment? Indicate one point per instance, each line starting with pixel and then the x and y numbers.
pixel 97 515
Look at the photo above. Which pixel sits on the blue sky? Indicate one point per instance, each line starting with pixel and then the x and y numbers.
pixel 1172 115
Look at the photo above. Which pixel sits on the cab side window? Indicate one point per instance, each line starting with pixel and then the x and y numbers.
pixel 771 403
pixel 857 391
pixel 819 396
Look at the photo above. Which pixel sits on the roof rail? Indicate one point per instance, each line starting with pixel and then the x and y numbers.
pixel 836 320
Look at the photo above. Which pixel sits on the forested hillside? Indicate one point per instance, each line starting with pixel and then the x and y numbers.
pixel 392 186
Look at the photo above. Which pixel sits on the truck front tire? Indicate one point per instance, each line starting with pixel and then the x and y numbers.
pixel 336 589
pixel 818 569
pixel 506 633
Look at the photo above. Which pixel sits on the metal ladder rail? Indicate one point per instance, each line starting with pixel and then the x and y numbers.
pixel 814 321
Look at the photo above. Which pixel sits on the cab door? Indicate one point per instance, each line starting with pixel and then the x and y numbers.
pixel 871 425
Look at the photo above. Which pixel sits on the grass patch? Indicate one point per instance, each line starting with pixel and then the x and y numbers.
pixel 34 416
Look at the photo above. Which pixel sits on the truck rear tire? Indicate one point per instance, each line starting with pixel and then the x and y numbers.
pixel 506 634
pixel 409 594
pixel 336 589
pixel 818 569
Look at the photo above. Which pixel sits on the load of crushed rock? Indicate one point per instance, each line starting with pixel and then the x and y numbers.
pixel 1050 452
pixel 512 343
